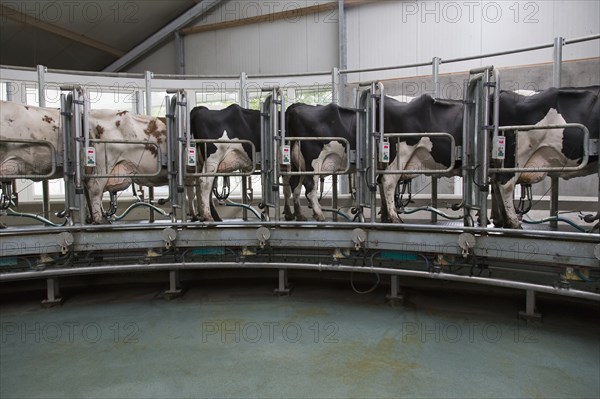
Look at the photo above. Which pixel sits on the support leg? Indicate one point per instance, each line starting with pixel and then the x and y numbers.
pixel 284 287
pixel 395 297
pixel 434 198
pixel 530 313
pixel 554 200
pixel 53 294
pixel 175 290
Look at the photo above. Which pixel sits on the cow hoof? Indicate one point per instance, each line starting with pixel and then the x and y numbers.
pixel 288 217
pixel 301 218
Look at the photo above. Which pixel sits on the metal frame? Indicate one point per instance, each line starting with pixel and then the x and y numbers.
pixel 53 159
pixel 553 248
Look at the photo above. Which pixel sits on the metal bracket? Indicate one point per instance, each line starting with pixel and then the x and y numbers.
pixel 359 237
pixel 65 241
pixel 169 235
pixel 593 147
pixel 466 241
pixel 458 152
pixel 263 234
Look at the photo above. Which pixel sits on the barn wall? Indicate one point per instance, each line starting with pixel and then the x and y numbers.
pixel 160 60
pixel 292 45
pixel 407 32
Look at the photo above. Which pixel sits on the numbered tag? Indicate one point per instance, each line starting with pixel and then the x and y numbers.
pixel 191 158
pixel 285 155
pixel 384 152
pixel 90 157
pixel 499 147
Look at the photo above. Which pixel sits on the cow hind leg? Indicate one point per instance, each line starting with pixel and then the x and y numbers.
pixel 287 198
pixel 204 199
pixel 94 198
pixel 296 199
pixel 312 195
pixel 506 204
pixel 388 188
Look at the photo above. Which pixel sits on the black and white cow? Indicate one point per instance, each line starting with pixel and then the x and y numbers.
pixel 543 147
pixel 304 120
pixel 232 123
pixel 423 114
pixel 124 161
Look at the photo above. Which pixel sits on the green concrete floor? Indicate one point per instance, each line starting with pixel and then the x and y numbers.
pixel 324 341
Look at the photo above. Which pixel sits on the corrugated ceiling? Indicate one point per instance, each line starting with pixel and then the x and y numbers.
pixel 31 32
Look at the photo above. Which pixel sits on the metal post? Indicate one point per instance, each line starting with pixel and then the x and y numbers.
pixel 394 296
pixel 530 313
pixel 343 52
pixel 41 71
pixel 283 287
pixel 436 76
pixel 335 82
pixel 243 90
pixel 53 293
pixel 174 290
pixel 9 91
pixel 434 198
pixel 334 195
pixel 179 98
pixel 279 140
pixel 556 82
pixel 148 89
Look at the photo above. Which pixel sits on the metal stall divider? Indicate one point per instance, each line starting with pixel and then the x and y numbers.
pixel 476 139
pixel 272 127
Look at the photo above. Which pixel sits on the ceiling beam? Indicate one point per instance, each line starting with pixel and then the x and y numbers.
pixel 291 13
pixel 166 31
pixel 28 20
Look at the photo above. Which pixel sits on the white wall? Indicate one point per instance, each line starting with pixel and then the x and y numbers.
pixel 293 45
pixel 389 32
pixel 405 32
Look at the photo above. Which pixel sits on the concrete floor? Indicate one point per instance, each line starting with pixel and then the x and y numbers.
pixel 238 341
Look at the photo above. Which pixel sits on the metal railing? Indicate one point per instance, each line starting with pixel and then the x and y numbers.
pixel 53 159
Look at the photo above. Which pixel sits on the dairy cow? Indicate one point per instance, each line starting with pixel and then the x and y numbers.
pixel 233 123
pixel 423 114
pixel 123 161
pixel 304 120
pixel 542 147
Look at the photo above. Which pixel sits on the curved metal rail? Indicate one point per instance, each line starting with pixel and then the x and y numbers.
pixel 37 142
pixel 304 266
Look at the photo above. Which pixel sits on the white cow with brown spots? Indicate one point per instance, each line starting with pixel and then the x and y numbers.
pixel 122 160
